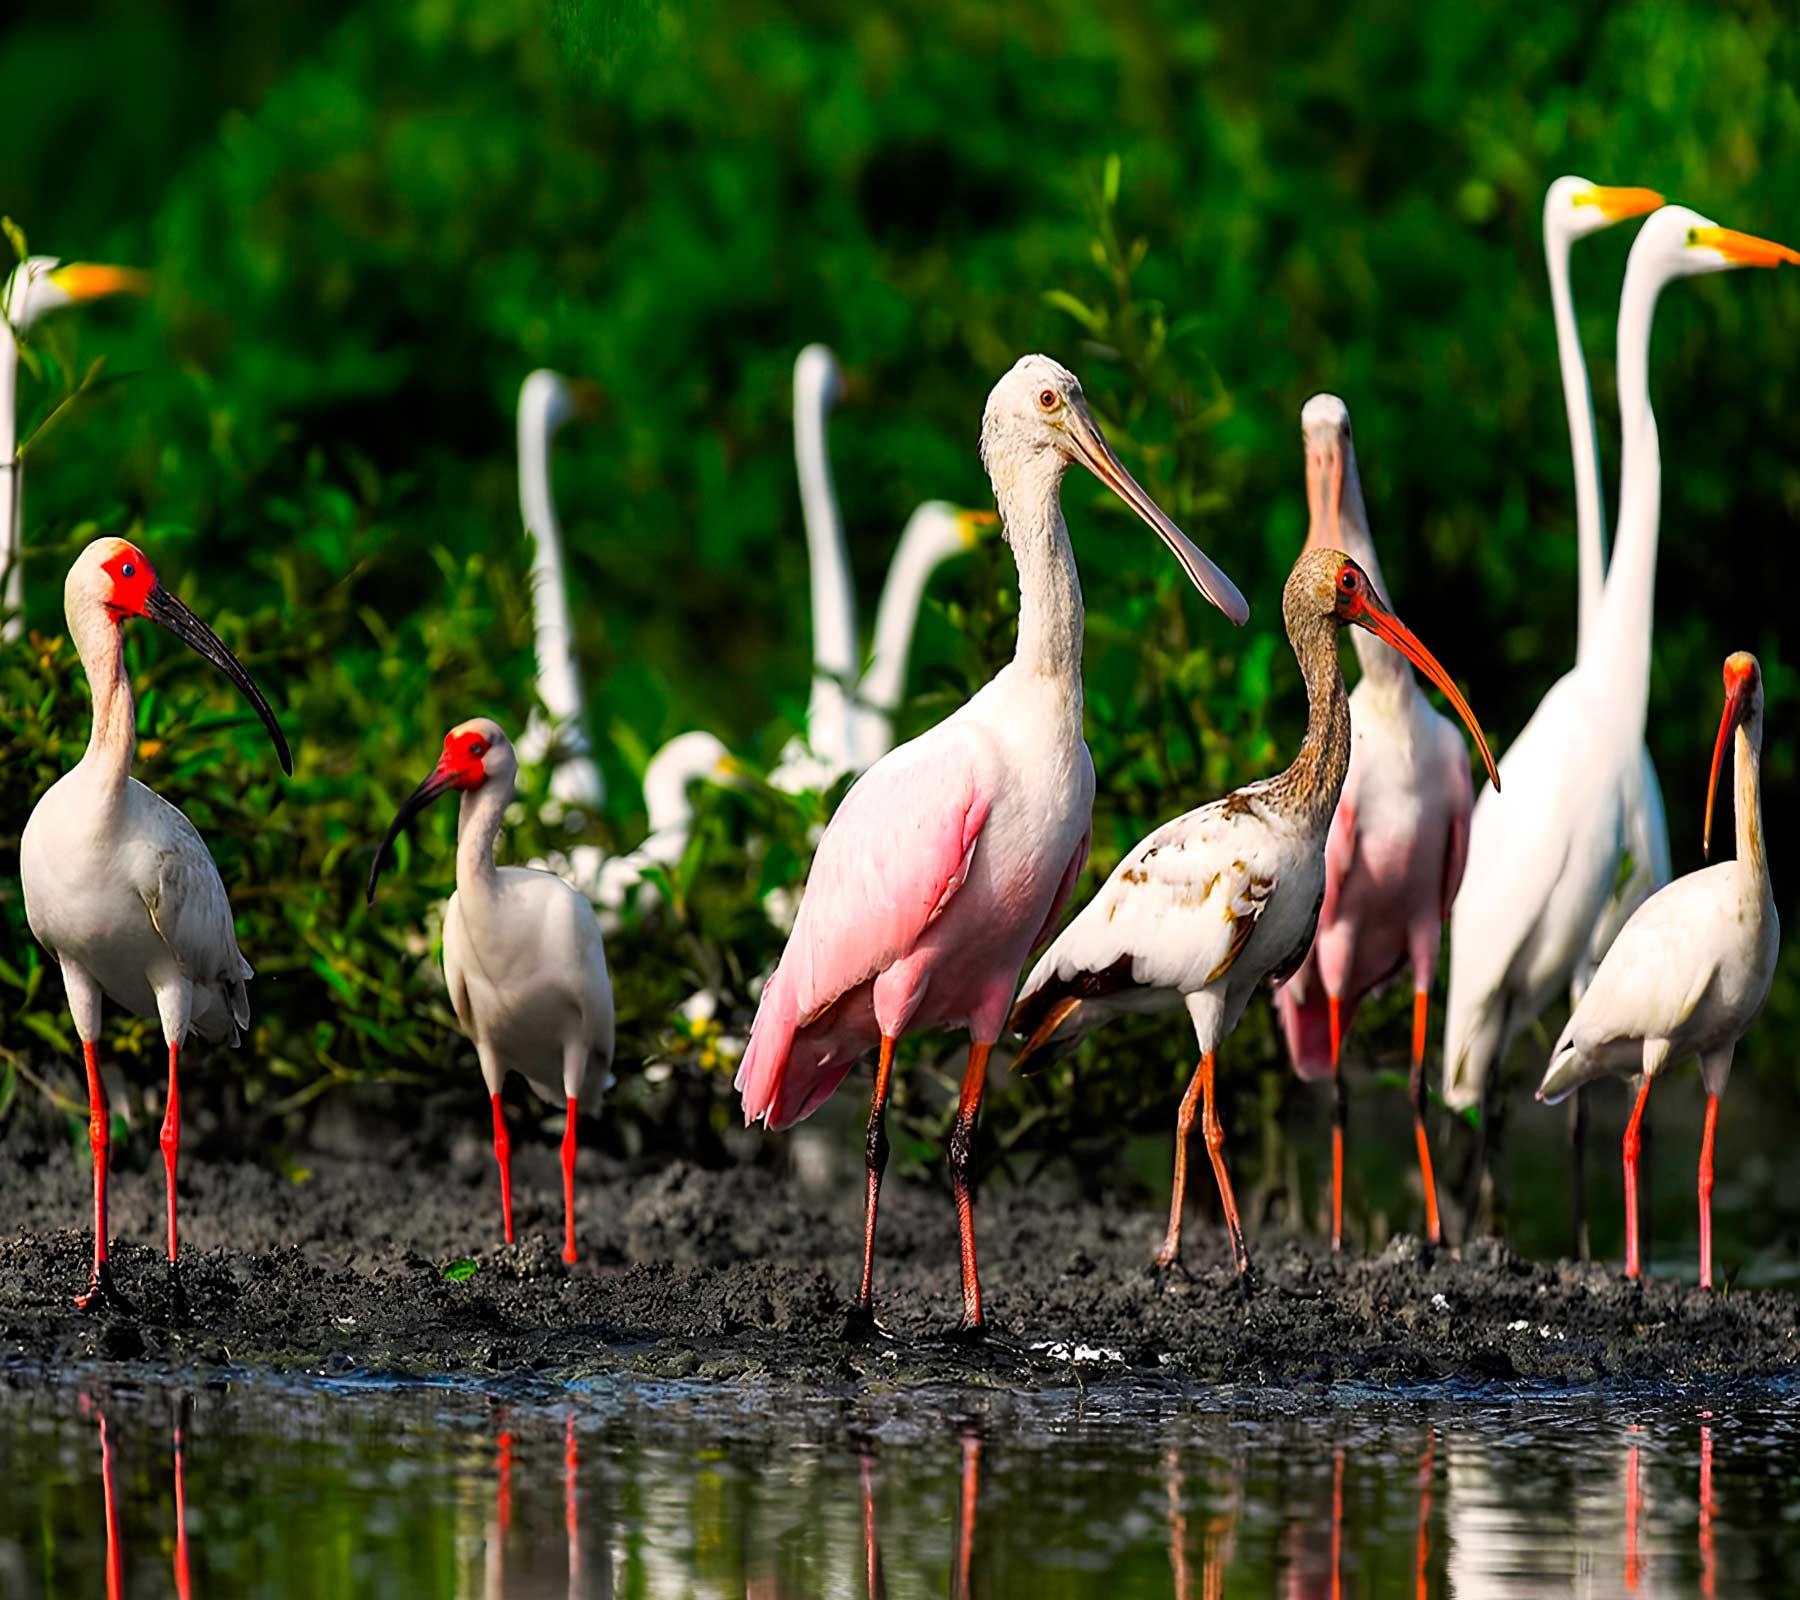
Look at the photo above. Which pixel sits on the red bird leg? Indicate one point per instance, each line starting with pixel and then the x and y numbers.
pixel 1633 1147
pixel 875 1152
pixel 1422 1556
pixel 100 1281
pixel 967 1498
pixel 1214 1134
pixel 1427 1178
pixel 1340 1117
pixel 962 1155
pixel 171 1139
pixel 570 1254
pixel 503 1159
pixel 1337 1524
pixel 1706 1189
pixel 1184 1122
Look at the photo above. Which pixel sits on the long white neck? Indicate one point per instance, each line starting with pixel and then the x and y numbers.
pixel 835 657
pixel 928 539
pixel 112 742
pixel 1379 662
pixel 558 680
pixel 12 498
pixel 1621 636
pixel 1584 443
pixel 1050 610
pixel 477 830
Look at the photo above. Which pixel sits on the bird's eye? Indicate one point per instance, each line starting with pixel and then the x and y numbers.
pixel 1693 236
pixel 1048 400
pixel 477 749
pixel 1347 580
pixel 128 571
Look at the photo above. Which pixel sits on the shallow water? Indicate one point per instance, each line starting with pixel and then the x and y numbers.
pixel 360 1488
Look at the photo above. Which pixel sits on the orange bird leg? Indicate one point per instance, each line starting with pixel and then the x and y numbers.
pixel 1337 1524
pixel 1422 1558
pixel 1427 1179
pixel 503 1159
pixel 1706 1189
pixel 570 1254
pixel 1184 1122
pixel 875 1155
pixel 1634 1501
pixel 962 1154
pixel 1214 1135
pixel 171 1139
pixel 1340 1117
pixel 967 1498
pixel 1634 1143
pixel 100 1281
pixel 874 1581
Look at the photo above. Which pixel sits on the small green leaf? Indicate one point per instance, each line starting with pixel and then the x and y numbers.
pixel 460 1271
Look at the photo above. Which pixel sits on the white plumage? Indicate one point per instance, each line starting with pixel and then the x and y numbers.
pixel 119 886
pixel 523 954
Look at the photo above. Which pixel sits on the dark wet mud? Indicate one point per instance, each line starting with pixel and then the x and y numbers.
pixel 741 1274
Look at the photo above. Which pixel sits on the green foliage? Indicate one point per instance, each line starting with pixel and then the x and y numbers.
pixel 368 222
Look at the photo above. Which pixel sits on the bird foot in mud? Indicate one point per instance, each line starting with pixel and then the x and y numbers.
pixel 103 1294
pixel 179 1313
pixel 860 1326
pixel 1167 1266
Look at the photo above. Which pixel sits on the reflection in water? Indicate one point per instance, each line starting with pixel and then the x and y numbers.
pixel 721 1495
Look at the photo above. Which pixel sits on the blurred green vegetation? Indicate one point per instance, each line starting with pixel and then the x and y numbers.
pixel 368 222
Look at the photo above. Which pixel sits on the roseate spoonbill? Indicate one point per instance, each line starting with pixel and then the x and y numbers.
pixel 1573 209
pixel 953 855
pixel 558 732
pixel 1212 903
pixel 1543 861
pixel 523 956
pixel 1689 972
pixel 37 286
pixel 118 883
pixel 1394 855
pixel 686 759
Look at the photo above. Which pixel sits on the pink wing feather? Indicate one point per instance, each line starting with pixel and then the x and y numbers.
pixel 893 858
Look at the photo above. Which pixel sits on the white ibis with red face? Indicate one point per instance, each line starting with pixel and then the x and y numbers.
pixel 1689 972
pixel 118 883
pixel 523 955
pixel 1211 904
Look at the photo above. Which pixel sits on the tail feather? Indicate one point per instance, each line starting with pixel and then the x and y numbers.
pixel 1306 1027
pixel 765 1063
pixel 1474 1039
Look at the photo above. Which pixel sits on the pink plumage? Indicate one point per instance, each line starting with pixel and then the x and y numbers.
pixel 954 854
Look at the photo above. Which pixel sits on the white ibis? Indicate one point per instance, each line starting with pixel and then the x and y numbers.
pixel 687 759
pixel 118 883
pixel 1208 906
pixel 1544 860
pixel 1689 972
pixel 36 287
pixel 1394 855
pixel 523 956
pixel 952 856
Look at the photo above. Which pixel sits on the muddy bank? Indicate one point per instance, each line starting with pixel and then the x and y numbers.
pixel 741 1274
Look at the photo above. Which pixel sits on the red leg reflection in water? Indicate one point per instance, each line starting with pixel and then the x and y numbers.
pixel 965 1541
pixel 494 1586
pixel 1178 1563
pixel 1423 1585
pixel 1337 1524
pixel 572 1502
pixel 115 1550
pixel 182 1585
pixel 1634 1500
pixel 874 1581
pixel 1708 1568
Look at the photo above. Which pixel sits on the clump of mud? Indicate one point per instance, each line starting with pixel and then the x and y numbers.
pixel 739 1274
